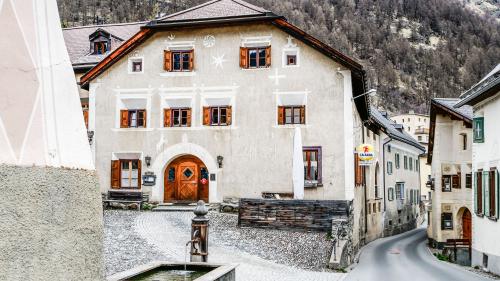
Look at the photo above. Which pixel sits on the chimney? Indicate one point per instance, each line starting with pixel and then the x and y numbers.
pixel 399 127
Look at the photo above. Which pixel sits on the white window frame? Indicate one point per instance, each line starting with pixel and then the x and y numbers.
pixel 133 94
pixel 224 92
pixel 279 102
pixel 130 66
pixel 171 95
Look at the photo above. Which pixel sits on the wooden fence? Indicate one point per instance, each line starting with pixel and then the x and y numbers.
pixel 313 215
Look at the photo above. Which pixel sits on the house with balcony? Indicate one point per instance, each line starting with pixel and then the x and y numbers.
pixel 483 97
pixel 450 156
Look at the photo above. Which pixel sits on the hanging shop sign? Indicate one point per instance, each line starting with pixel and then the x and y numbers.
pixel 366 154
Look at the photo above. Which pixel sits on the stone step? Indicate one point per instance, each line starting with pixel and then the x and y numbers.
pixel 177 207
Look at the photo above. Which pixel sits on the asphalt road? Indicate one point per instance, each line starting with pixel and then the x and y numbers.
pixel 406 257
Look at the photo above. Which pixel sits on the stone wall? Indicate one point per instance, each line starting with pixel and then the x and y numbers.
pixel 51 224
pixel 292 214
pixel 344 247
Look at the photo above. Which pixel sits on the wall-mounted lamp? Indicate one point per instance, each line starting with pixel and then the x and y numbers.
pixel 219 160
pixel 148 160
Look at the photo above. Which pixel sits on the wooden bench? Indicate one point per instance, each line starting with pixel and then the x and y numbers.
pixel 125 197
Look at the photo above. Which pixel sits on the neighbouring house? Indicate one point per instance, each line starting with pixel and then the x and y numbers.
pixel 88 45
pixel 417 125
pixel 484 99
pixel 398 197
pixel 203 103
pixel 450 156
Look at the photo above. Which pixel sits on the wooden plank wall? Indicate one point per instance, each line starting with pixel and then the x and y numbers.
pixel 308 215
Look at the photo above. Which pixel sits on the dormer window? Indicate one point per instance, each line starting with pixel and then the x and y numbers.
pixel 100 42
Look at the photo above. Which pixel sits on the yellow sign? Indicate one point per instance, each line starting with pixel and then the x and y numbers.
pixel 366 153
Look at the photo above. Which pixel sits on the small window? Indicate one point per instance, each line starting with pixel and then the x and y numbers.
pixel 136 65
pixel 218 116
pixel 400 191
pixel 389 168
pixel 100 48
pixel 410 162
pixel 389 148
pixel 257 57
pixel 463 136
pixel 478 129
pixel 455 181
pixel 390 194
pixel 180 117
pixel 368 133
pixel 405 162
pixel 446 183
pixel 396 160
pixel 468 180
pixel 291 115
pixel 135 118
pixel 417 165
pixel 291 60
pixel 419 138
pixel 129 174
pixel 446 221
pixel 312 166
pixel 182 61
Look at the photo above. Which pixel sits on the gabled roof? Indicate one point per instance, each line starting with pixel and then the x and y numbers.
pixel 487 87
pixel 390 129
pixel 448 107
pixel 215 9
pixel 231 12
pixel 78 44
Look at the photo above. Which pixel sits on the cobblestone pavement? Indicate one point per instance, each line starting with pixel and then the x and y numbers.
pixel 166 235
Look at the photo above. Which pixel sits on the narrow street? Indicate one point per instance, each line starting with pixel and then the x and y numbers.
pixel 406 257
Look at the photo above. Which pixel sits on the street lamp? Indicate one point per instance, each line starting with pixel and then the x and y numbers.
pixel 370 93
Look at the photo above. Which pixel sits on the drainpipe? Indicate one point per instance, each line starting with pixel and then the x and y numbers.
pixel 383 169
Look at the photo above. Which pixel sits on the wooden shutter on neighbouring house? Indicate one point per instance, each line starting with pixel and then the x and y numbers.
pixel 229 112
pixel 243 57
pixel 139 175
pixel 167 117
pixel 191 60
pixel 206 116
pixel 303 114
pixel 167 60
pixel 115 173
pixel 123 118
pixel 189 117
pixel 281 115
pixel 268 56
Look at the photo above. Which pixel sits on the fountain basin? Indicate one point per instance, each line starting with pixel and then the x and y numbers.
pixel 173 271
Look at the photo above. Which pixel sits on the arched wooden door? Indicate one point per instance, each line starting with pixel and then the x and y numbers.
pixel 467 224
pixel 186 180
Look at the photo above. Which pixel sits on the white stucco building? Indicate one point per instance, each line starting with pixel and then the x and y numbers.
pixel 450 156
pixel 484 98
pixel 398 193
pixel 207 100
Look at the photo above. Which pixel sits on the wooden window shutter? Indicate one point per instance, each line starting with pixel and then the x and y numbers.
pixel 123 118
pixel 229 112
pixel 206 116
pixel 243 57
pixel 191 60
pixel 167 60
pixel 303 114
pixel 144 114
pixel 281 115
pixel 268 56
pixel 167 119
pixel 115 173
pixel 139 175
pixel 189 118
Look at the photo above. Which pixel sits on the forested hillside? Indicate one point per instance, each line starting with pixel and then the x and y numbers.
pixel 412 50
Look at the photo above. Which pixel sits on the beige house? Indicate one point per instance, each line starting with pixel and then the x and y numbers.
pixel 203 104
pixel 417 126
pixel 450 156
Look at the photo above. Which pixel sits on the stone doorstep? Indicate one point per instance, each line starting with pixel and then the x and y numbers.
pixel 171 207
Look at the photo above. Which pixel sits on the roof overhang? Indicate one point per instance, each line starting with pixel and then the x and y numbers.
pixel 481 92
pixel 358 74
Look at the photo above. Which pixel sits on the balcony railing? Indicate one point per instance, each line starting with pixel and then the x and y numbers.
pixel 421 131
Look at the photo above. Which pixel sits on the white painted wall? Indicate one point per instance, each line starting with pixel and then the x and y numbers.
pixel 257 153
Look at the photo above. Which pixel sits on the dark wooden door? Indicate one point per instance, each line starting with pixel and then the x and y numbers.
pixel 187 181
pixel 467 225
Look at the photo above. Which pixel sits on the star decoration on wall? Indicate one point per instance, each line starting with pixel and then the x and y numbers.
pixel 218 61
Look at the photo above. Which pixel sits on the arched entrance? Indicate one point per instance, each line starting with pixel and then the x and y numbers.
pixel 186 179
pixel 466 224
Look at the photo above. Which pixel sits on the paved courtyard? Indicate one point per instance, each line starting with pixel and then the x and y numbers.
pixel 134 238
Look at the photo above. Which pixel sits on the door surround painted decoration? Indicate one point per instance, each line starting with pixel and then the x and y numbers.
pixel 186 179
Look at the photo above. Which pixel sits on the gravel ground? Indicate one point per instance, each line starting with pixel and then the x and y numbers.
pixel 123 248
pixel 306 250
